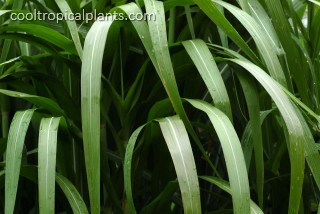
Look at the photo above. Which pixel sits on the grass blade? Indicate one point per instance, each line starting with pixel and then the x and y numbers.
pixel 47 163
pixel 224 185
pixel 45 33
pixel 202 58
pixel 76 202
pixel 43 102
pixel 233 155
pixel 212 11
pixel 127 168
pixel 65 9
pixel 262 18
pixel 293 55
pixel 2 12
pixel 17 133
pixel 252 100
pixel 178 143
pixel 160 57
pixel 263 42
pixel 295 128
pixel 90 102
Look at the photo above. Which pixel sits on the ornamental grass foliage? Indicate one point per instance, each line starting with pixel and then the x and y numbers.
pixel 174 106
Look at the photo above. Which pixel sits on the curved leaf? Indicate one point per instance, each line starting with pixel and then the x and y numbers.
pixel 17 133
pixel 233 155
pixel 76 202
pixel 90 102
pixel 176 137
pixel 202 58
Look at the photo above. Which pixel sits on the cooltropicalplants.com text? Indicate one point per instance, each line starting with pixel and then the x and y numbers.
pixel 82 16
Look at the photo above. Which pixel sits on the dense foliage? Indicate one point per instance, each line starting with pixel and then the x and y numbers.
pixel 208 107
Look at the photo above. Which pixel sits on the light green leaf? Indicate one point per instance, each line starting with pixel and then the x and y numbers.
pixel 296 130
pixel 211 10
pixel 75 200
pixel 263 42
pixel 17 133
pixel 176 137
pixel 224 185
pixel 202 58
pixel 90 102
pixel 233 155
pixel 47 150
pixel 262 18
pixel 72 25
pixel 2 12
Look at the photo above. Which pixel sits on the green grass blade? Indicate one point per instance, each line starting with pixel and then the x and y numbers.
pixel 263 42
pixel 47 163
pixel 45 33
pixel 2 12
pixel 17 133
pixel 262 18
pixel 294 126
pixel 314 2
pixel 244 5
pixel 90 102
pixel 190 21
pixel 224 185
pixel 64 8
pixel 127 169
pixel 233 155
pixel 252 100
pixel 179 146
pixel 247 138
pixel 160 57
pixel 202 58
pixel 43 102
pixel 293 55
pixel 212 11
pixel 75 200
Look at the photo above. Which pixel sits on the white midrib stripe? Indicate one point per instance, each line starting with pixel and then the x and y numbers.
pixel 47 152
pixel 183 162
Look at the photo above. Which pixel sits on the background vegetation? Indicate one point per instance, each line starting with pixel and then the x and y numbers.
pixel 211 108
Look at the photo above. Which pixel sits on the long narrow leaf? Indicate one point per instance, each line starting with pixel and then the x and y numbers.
pixel 295 128
pixel 233 155
pixel 226 187
pixel 263 42
pixel 47 164
pixel 45 33
pixel 75 200
pixel 127 168
pixel 64 7
pixel 201 56
pixel 176 137
pixel 90 102
pixel 17 133
pixel 252 98
pixel 212 11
